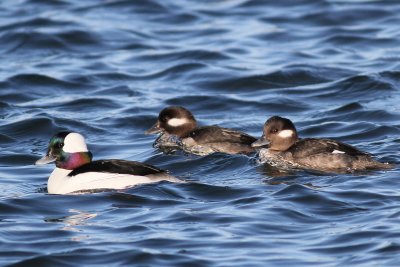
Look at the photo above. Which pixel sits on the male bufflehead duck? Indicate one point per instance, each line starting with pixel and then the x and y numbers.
pixel 75 170
pixel 285 149
pixel 179 130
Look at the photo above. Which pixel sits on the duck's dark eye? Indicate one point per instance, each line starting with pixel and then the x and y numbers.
pixel 164 119
pixel 60 145
pixel 274 130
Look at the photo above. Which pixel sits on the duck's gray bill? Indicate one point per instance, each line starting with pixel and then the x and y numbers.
pixel 46 159
pixel 154 129
pixel 260 142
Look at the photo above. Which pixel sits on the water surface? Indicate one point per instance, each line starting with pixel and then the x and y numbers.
pixel 106 68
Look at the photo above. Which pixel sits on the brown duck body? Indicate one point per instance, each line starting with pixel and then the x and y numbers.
pixel 287 150
pixel 322 155
pixel 179 131
pixel 218 139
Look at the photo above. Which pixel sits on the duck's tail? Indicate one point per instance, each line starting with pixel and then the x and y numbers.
pixel 371 164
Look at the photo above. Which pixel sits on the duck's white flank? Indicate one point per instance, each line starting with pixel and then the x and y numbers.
pixel 60 183
pixel 338 152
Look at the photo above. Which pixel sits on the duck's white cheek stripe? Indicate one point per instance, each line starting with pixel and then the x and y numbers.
pixel 177 122
pixel 286 133
pixel 338 152
pixel 74 142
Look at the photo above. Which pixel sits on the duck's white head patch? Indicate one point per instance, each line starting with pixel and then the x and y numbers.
pixel 286 133
pixel 174 122
pixel 74 142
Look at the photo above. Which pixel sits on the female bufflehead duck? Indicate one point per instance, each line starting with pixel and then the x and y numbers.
pixel 285 149
pixel 179 130
pixel 75 170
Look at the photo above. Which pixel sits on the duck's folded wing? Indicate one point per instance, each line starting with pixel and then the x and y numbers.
pixel 310 146
pixel 216 134
pixel 117 166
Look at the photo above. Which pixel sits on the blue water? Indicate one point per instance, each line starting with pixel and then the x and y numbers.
pixel 106 68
